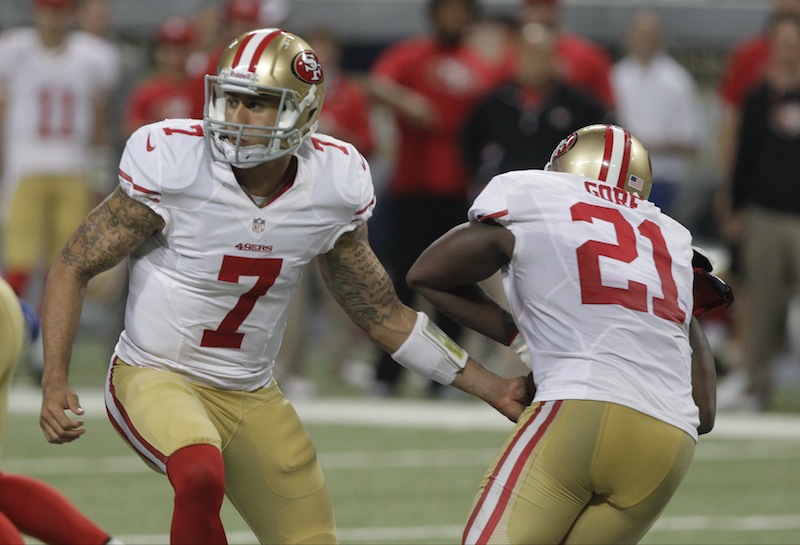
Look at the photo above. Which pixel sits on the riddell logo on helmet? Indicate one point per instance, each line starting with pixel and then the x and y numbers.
pixel 307 68
pixel 230 73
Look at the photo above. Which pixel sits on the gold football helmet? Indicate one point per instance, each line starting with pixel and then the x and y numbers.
pixel 607 153
pixel 265 62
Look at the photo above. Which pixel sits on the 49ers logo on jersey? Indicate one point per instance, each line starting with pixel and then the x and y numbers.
pixel 565 145
pixel 307 68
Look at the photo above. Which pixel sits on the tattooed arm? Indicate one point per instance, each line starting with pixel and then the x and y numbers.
pixel 358 281
pixel 107 235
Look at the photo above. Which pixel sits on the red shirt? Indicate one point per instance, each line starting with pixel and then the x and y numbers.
pixel 586 65
pixel 746 66
pixel 346 113
pixel 161 98
pixel 429 161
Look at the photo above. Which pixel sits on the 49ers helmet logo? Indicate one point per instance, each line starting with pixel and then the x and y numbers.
pixel 307 68
pixel 565 145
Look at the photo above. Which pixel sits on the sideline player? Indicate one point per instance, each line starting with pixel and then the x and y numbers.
pixel 27 505
pixel 600 284
pixel 217 219
pixel 55 86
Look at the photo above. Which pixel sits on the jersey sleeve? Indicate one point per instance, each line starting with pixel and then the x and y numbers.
pixel 363 192
pixel 491 203
pixel 139 170
pixel 352 180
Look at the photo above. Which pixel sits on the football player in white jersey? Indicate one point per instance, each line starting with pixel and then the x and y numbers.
pixel 600 288
pixel 54 94
pixel 217 219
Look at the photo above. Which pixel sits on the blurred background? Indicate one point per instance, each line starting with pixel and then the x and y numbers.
pixel 178 40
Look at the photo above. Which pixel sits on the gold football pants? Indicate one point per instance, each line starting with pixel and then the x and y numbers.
pixel 579 471
pixel 12 331
pixel 272 476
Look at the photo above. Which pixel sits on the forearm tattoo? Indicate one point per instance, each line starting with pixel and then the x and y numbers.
pixel 358 281
pixel 109 233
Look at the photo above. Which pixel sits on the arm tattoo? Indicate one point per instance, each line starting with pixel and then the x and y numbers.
pixel 358 281
pixel 109 233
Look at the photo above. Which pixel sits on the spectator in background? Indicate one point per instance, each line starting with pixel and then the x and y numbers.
pixel 656 99
pixel 582 62
pixel 54 95
pixel 494 37
pixel 518 125
pixel 430 83
pixel 765 204
pixel 207 22
pixel 747 66
pixel 94 17
pixel 169 92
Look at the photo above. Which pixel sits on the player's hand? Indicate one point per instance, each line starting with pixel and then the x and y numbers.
pixel 57 426
pixel 518 396
pixel 508 396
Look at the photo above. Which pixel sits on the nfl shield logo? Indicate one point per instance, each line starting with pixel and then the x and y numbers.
pixel 258 225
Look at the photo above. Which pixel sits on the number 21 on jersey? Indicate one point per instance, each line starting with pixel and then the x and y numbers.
pixel 635 296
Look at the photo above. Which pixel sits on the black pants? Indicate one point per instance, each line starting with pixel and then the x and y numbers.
pixel 411 224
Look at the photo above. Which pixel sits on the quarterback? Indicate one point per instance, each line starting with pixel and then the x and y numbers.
pixel 601 289
pixel 217 219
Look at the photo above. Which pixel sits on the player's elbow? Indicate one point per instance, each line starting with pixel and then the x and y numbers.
pixel 707 418
pixel 418 279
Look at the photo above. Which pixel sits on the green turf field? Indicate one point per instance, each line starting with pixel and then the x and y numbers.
pixel 405 471
pixel 394 480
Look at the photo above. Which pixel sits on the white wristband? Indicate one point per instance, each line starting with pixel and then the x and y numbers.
pixel 429 352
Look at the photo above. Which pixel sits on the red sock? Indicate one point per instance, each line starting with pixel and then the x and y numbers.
pixel 9 535
pixel 197 474
pixel 18 280
pixel 43 513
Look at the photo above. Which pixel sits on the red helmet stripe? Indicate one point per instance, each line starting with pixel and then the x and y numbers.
pixel 609 148
pixel 616 157
pixel 261 47
pixel 240 51
pixel 254 51
pixel 622 180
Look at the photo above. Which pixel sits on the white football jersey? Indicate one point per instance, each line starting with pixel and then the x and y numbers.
pixel 600 285
pixel 49 119
pixel 209 294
